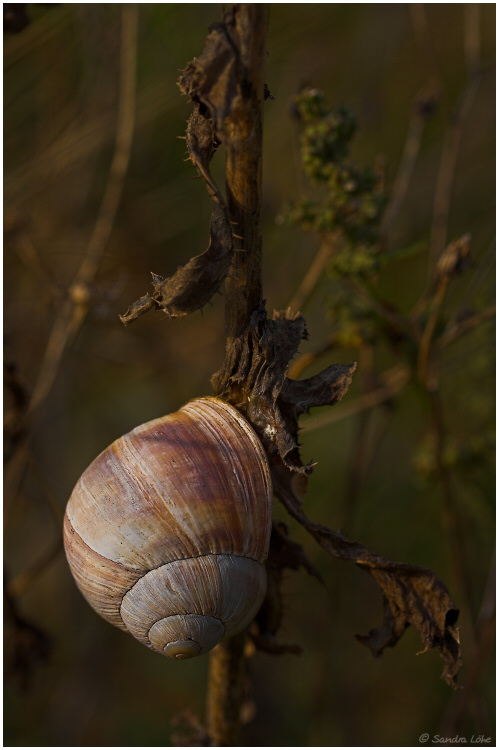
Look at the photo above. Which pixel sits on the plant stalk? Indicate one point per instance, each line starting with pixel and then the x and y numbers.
pixel 225 691
pixel 247 25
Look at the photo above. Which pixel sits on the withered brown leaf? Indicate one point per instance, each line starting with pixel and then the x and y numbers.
pixel 412 595
pixel 210 82
pixel 212 78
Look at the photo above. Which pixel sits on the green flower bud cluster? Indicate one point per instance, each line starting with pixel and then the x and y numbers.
pixel 351 204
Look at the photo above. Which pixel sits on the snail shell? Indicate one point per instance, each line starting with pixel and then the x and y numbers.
pixel 167 531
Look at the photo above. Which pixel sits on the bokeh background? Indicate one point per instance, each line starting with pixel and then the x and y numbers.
pixel 76 378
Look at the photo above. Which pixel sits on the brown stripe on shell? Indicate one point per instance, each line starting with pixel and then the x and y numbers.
pixel 102 582
pixel 192 483
pixel 118 505
pixel 246 480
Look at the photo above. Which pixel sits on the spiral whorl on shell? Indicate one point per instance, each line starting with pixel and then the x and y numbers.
pixel 167 531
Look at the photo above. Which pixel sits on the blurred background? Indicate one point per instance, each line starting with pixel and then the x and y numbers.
pixel 96 197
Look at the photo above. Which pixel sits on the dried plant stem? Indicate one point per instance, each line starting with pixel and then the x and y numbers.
pixel 243 173
pixel 247 25
pixel 122 147
pixel 424 352
pixel 225 694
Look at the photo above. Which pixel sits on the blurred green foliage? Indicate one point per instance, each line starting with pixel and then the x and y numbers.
pixel 351 205
pixel 379 472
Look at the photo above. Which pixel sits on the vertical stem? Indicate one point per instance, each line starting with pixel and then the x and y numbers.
pixel 225 691
pixel 247 25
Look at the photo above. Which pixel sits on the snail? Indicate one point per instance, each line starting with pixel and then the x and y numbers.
pixel 167 531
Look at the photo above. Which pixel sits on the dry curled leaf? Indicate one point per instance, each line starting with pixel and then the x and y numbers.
pixel 212 78
pixel 194 284
pixel 211 89
pixel 201 146
pixel 412 595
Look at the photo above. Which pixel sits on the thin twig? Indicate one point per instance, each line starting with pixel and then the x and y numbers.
pixel 449 265
pixel 313 274
pixel 122 148
pixel 73 311
pixel 427 335
pixel 452 141
pixel 457 330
